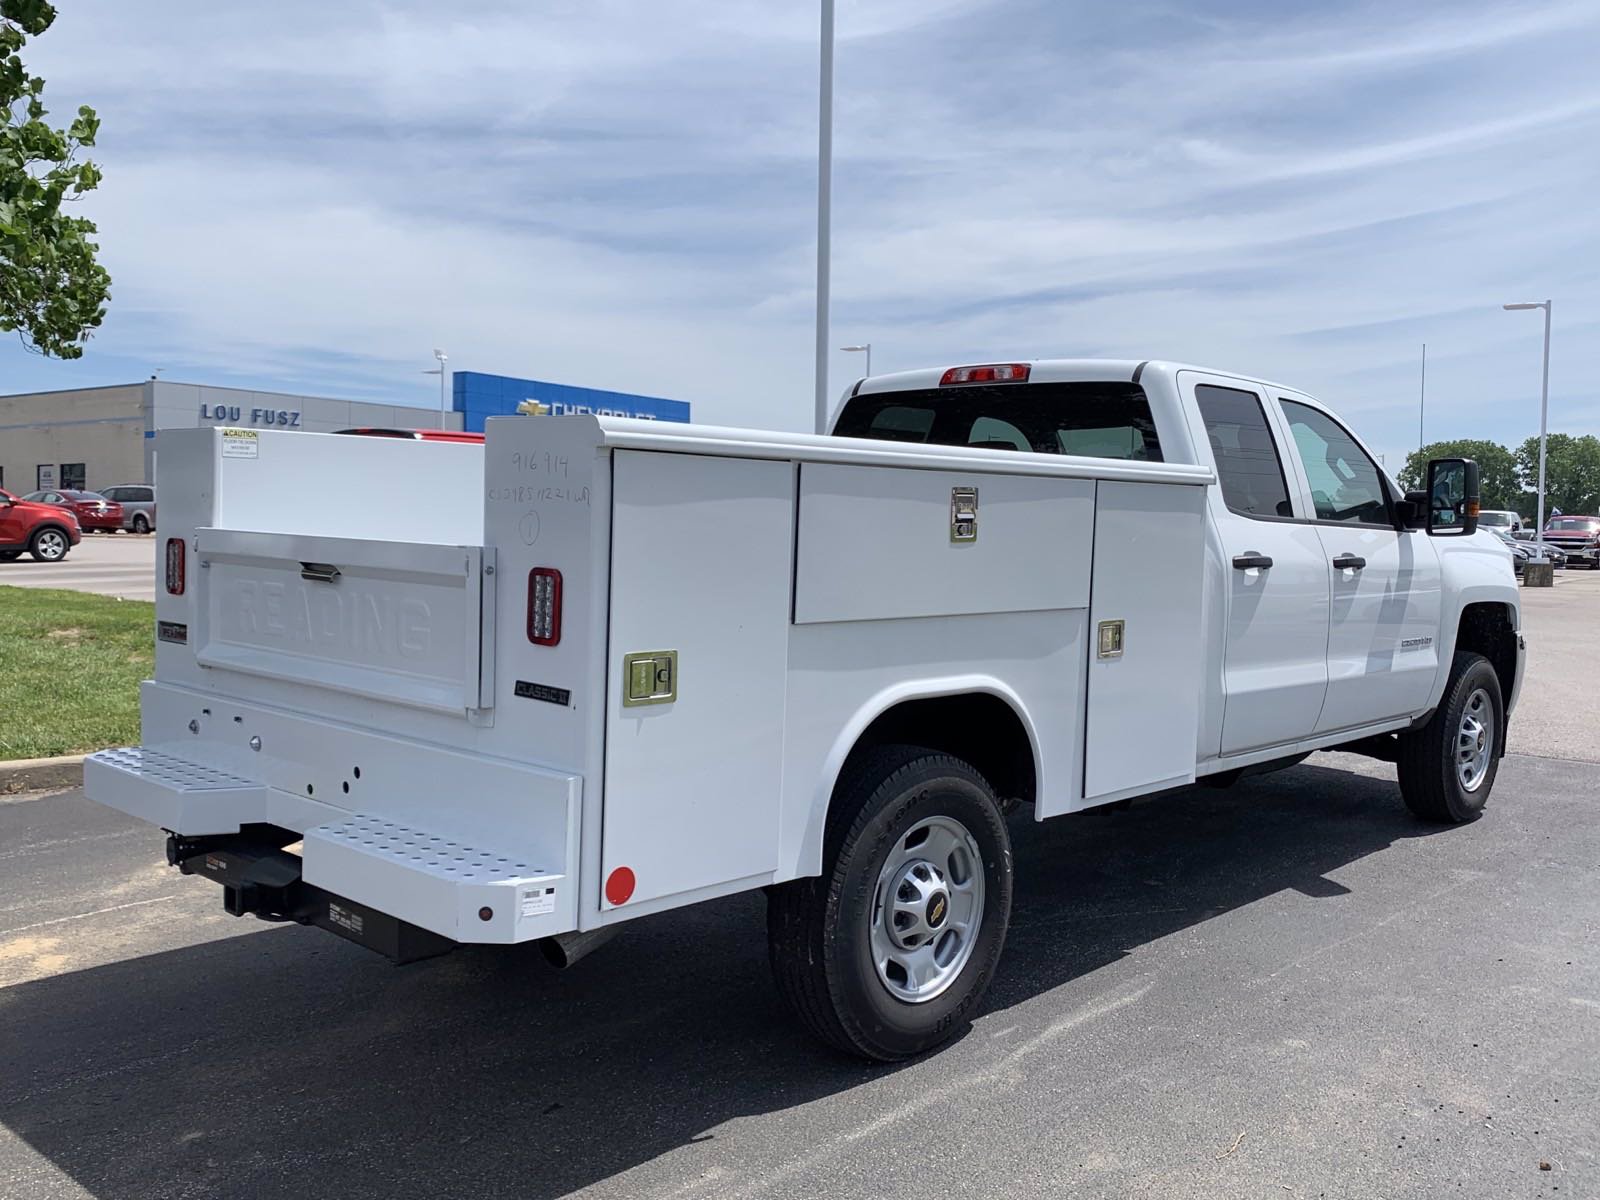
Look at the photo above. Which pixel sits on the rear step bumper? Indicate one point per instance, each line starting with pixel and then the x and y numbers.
pixel 260 878
pixel 380 874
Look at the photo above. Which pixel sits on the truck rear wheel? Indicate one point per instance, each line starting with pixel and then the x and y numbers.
pixel 1447 767
pixel 889 951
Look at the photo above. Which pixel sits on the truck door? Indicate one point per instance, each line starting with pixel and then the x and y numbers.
pixel 1275 573
pixel 1383 649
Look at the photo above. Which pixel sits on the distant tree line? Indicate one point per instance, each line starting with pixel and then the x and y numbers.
pixel 1510 478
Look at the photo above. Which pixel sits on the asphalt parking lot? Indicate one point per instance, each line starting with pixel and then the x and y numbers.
pixel 1287 989
pixel 112 564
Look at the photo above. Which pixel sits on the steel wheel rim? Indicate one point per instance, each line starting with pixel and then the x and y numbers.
pixel 1475 740
pixel 51 544
pixel 927 909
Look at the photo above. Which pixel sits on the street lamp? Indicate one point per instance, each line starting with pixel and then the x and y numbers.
pixel 440 372
pixel 1544 413
pixel 865 347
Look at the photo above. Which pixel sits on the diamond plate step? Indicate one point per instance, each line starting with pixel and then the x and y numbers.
pixel 172 792
pixel 434 880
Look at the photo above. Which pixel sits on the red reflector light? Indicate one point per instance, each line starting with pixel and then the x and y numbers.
pixel 987 373
pixel 544 606
pixel 175 564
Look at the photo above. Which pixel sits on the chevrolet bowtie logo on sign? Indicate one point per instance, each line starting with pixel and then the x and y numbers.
pixel 532 408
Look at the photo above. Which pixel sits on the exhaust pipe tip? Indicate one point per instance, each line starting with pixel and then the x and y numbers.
pixel 565 949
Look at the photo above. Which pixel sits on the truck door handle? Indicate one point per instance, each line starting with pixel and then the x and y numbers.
pixel 1349 562
pixel 319 572
pixel 1246 562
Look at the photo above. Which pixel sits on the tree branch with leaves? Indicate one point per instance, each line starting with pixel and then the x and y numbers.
pixel 53 292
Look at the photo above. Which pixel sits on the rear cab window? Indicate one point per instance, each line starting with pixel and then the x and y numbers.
pixel 1248 465
pixel 1084 419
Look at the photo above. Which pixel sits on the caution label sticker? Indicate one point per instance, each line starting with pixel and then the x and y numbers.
pixel 240 443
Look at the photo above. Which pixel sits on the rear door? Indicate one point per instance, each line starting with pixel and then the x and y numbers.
pixel 1383 650
pixel 1275 670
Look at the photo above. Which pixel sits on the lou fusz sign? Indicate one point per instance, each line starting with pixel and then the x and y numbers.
pixel 232 414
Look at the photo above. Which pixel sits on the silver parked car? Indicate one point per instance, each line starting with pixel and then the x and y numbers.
pixel 138 502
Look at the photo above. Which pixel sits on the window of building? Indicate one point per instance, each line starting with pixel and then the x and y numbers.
pixel 72 476
pixel 1345 484
pixel 1247 458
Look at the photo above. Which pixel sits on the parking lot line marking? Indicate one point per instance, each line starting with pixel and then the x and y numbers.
pixel 83 916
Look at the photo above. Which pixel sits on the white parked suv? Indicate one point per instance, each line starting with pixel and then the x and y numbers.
pixel 1502 519
pixel 615 667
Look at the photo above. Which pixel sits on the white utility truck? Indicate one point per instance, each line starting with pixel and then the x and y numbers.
pixel 424 694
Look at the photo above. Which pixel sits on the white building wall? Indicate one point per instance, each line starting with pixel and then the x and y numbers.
pixel 111 429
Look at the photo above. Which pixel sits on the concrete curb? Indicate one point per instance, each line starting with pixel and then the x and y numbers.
pixel 41 774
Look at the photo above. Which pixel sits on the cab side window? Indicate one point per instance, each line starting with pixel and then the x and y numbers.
pixel 1346 485
pixel 1247 458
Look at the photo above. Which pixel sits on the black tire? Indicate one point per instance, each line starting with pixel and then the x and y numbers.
pixel 49 544
pixel 1427 760
pixel 820 930
pixel 141 523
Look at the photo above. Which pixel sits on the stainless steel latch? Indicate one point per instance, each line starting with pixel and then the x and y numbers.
pixel 650 677
pixel 963 514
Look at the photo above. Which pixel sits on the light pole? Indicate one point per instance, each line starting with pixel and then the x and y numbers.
pixel 1544 414
pixel 440 372
pixel 824 209
pixel 1422 396
pixel 864 347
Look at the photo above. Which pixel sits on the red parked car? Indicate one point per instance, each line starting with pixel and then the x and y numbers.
pixel 94 511
pixel 46 531
pixel 419 435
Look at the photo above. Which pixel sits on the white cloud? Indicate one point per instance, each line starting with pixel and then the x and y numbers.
pixel 619 193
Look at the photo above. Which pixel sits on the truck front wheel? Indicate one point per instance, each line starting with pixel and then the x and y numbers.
pixel 1447 767
pixel 888 952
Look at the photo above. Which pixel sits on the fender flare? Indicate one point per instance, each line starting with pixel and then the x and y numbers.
pixel 1465 597
pixel 875 706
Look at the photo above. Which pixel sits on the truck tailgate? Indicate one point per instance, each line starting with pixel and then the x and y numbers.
pixel 402 622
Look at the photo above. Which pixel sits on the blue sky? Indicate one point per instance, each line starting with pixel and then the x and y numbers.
pixel 618 193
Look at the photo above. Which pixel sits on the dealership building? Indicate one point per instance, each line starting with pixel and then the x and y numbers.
pixel 102 436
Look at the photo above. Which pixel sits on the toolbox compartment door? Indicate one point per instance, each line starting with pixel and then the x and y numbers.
pixel 701 551
pixel 400 622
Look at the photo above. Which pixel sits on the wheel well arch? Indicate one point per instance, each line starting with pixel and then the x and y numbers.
pixel 1488 628
pixel 59 526
pixel 984 726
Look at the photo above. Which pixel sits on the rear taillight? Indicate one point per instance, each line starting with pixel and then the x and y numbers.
pixel 544 606
pixel 988 373
pixel 175 562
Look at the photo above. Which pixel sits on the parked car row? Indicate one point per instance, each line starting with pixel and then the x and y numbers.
pixel 1567 539
pixel 1522 552
pixel 130 506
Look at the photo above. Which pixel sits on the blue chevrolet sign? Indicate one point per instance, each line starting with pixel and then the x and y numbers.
pixel 479 396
